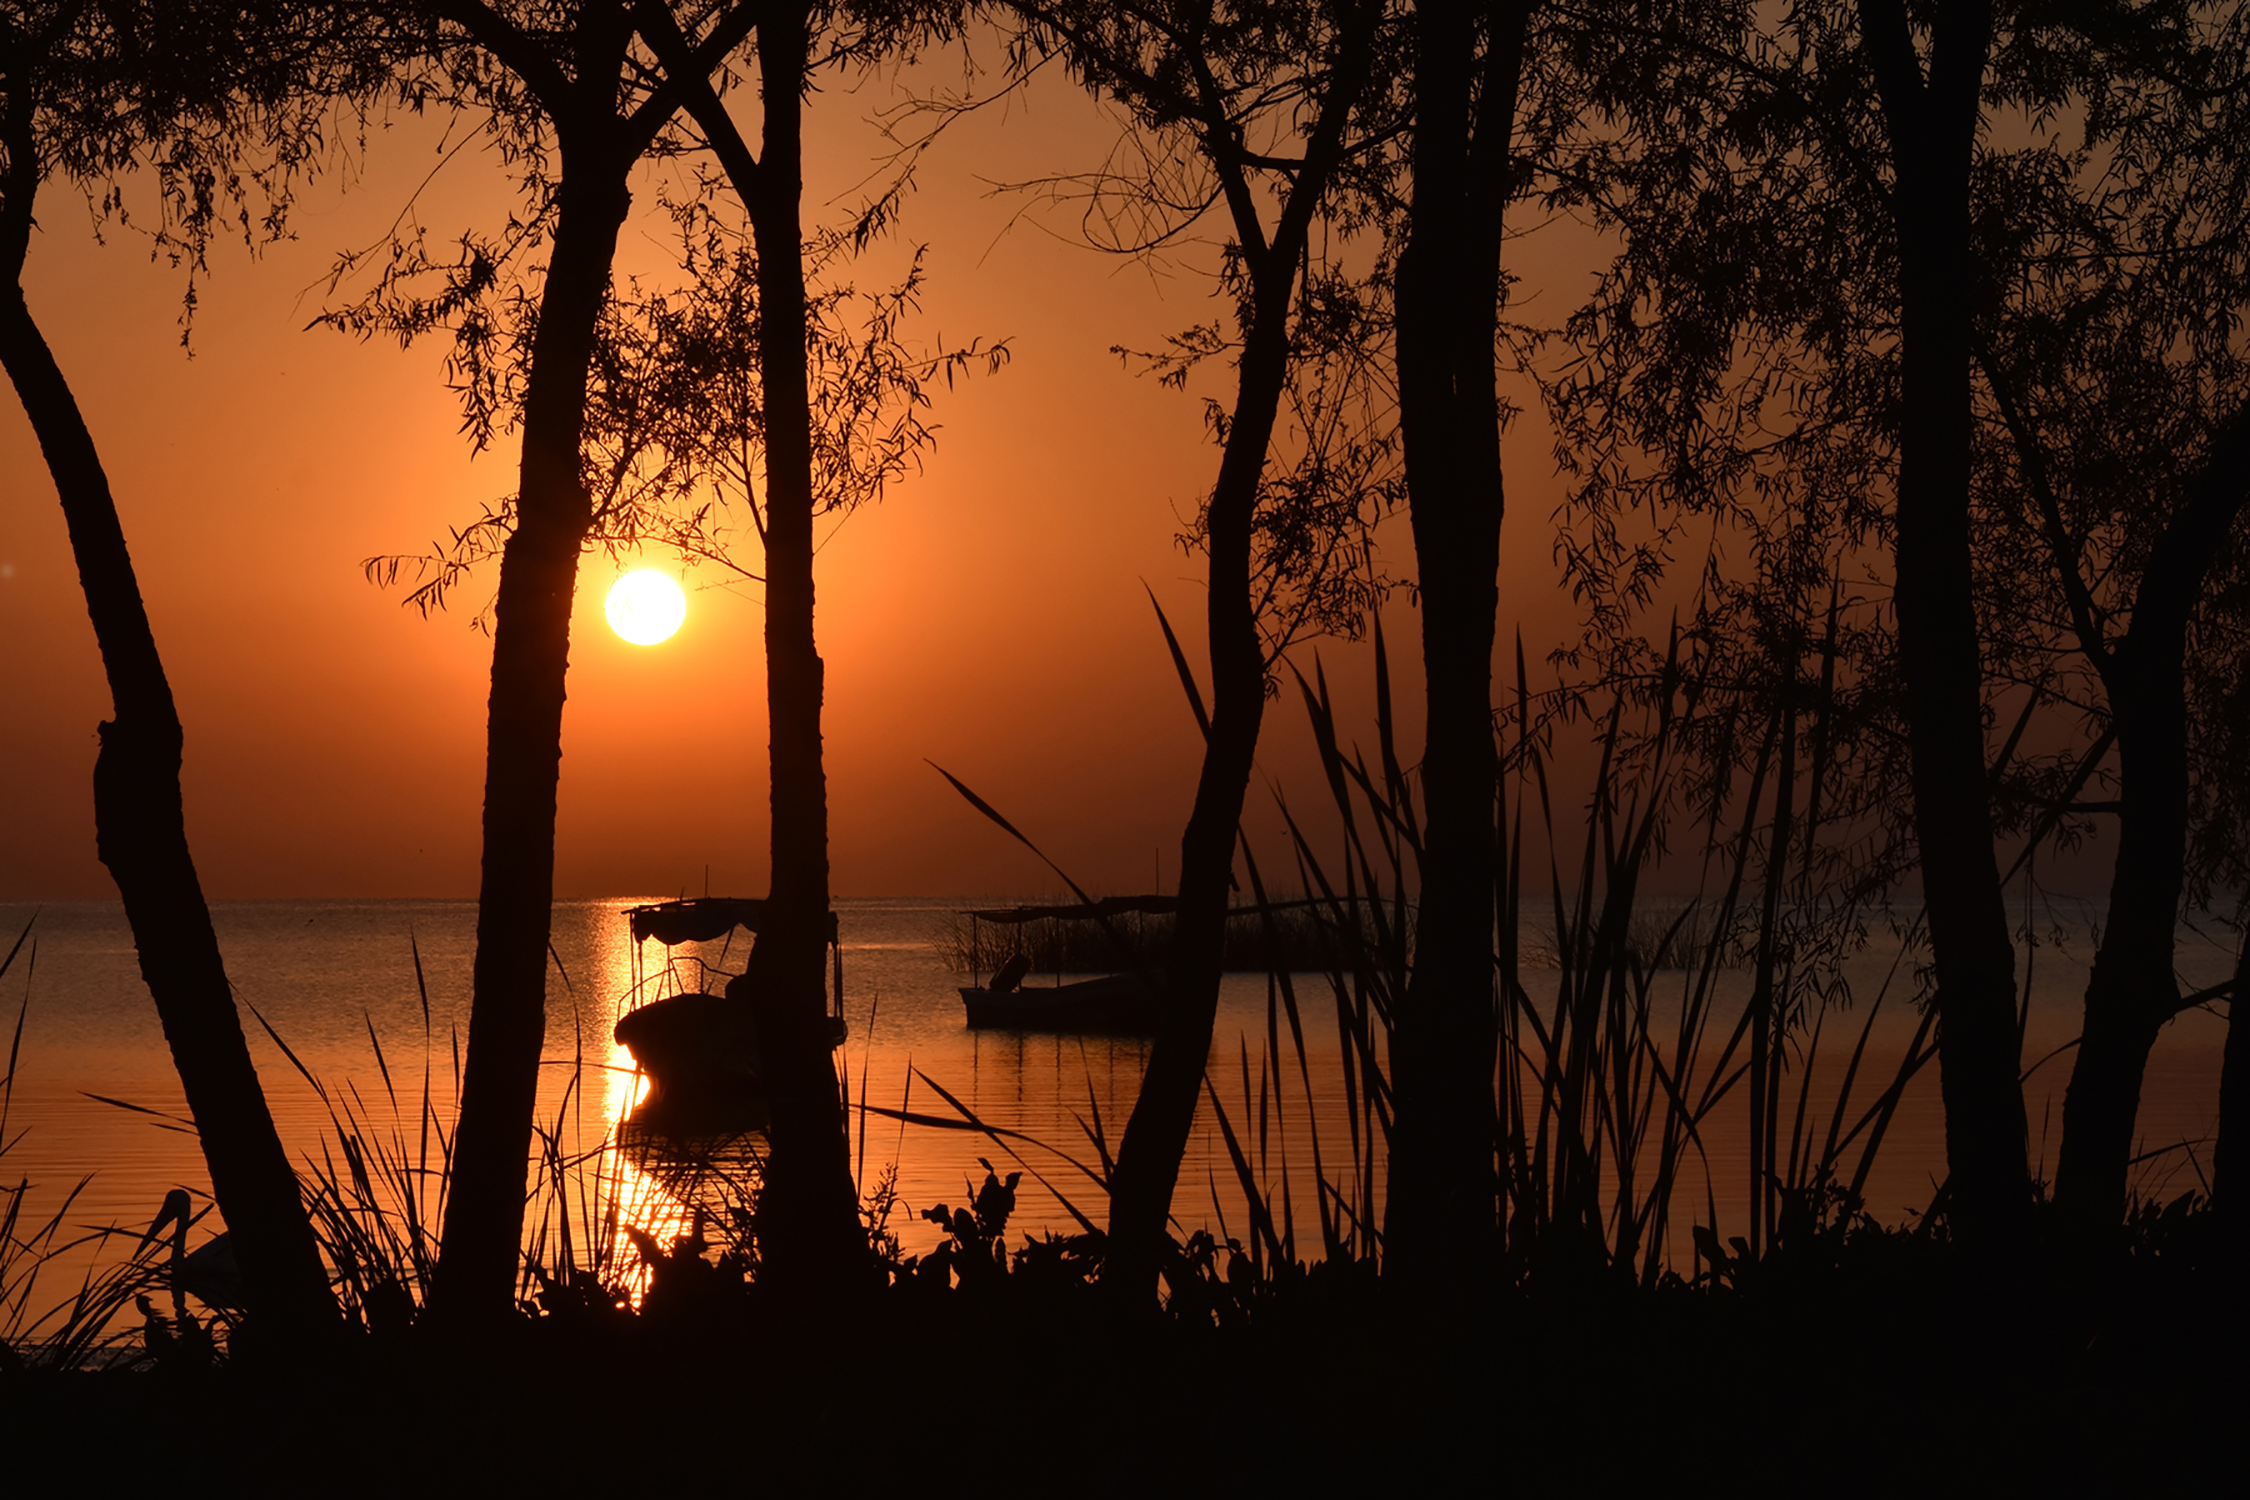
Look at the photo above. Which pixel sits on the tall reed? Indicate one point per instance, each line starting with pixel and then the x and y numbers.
pixel 87 1326
pixel 1609 1089
pixel 378 1187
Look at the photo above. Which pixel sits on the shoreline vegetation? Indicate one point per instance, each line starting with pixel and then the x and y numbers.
pixel 1586 1270
pixel 1291 936
pixel 1292 933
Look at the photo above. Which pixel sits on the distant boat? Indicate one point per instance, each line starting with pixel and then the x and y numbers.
pixel 1128 1004
pixel 1114 1004
pixel 699 1050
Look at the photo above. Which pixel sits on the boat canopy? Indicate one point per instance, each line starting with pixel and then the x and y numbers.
pixel 1154 906
pixel 701 919
pixel 1109 906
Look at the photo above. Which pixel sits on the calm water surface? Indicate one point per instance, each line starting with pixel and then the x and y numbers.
pixel 333 979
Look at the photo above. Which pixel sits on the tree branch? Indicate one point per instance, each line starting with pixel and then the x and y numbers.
pixel 19 186
pixel 2084 613
pixel 515 49
pixel 2178 563
pixel 689 75
pixel 731 30
pixel 1227 155
pixel 1887 35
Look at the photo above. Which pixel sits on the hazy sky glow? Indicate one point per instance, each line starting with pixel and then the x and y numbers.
pixel 989 615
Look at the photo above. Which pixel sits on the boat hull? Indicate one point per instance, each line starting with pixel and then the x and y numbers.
pixel 698 1050
pixel 700 1053
pixel 1115 1005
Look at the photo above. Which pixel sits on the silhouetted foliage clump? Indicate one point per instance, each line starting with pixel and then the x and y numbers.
pixel 1300 939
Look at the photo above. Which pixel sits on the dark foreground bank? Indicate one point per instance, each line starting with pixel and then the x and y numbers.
pixel 1862 1363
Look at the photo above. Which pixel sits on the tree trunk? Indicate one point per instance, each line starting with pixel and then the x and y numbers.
pixel 1445 1036
pixel 523 754
pixel 809 1231
pixel 1933 129
pixel 2124 1012
pixel 1148 1158
pixel 2132 992
pixel 140 833
pixel 2227 1173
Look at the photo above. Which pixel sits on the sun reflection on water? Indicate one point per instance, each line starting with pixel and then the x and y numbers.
pixel 334 979
pixel 665 1187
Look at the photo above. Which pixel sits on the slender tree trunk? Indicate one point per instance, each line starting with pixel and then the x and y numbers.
pixel 1766 1013
pixel 808 1222
pixel 1148 1158
pixel 1442 1190
pixel 2228 1173
pixel 2132 992
pixel 140 831
pixel 1933 127
pixel 523 752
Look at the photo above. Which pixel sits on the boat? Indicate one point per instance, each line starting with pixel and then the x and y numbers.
pixel 1127 1004
pixel 694 1046
pixel 1114 1004
pixel 699 1050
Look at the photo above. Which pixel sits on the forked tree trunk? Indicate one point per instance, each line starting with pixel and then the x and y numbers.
pixel 1442 1190
pixel 140 830
pixel 523 754
pixel 1933 127
pixel 1148 1157
pixel 2132 992
pixel 597 146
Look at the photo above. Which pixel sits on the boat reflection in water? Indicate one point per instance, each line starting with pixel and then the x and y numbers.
pixel 670 1184
pixel 327 974
pixel 689 1131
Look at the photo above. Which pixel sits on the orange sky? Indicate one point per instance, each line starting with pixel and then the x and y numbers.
pixel 989 615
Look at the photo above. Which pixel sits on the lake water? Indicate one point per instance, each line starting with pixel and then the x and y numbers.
pixel 328 976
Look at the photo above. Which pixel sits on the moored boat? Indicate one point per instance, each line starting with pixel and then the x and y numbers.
pixel 1116 1004
pixel 695 1047
pixel 699 1050
pixel 1127 1004
pixel 1130 1002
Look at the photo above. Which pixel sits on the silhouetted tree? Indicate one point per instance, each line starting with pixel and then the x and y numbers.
pixel 1469 62
pixel 571 96
pixel 2119 422
pixel 1249 109
pixel 2134 991
pixel 2087 266
pixel 1929 76
pixel 220 108
pixel 809 1226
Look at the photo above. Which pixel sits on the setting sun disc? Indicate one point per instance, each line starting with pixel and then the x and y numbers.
pixel 645 607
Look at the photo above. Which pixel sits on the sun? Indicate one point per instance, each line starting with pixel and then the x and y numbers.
pixel 645 607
